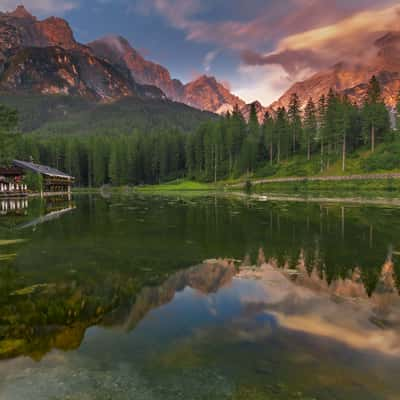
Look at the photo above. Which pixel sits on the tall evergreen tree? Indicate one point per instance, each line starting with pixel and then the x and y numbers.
pixel 294 115
pixel 331 124
pixel 322 127
pixel 398 112
pixel 281 133
pixel 250 145
pixel 8 129
pixel 268 133
pixel 375 115
pixel 344 121
pixel 310 126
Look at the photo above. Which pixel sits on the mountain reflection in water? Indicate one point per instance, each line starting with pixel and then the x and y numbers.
pixel 98 303
pixel 220 303
pixel 297 298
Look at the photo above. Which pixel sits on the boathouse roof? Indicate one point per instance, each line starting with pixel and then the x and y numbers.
pixel 42 169
pixel 10 171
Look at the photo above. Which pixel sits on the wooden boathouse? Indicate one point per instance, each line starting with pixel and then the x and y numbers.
pixel 54 182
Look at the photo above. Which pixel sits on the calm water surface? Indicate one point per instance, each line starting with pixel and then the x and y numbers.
pixel 204 297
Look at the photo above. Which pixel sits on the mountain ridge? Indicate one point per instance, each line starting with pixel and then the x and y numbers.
pixel 204 92
pixel 351 78
pixel 44 57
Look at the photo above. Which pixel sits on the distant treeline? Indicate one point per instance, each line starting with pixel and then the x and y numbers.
pixel 120 160
pixel 330 129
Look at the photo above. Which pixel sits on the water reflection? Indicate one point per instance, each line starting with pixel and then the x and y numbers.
pixel 341 311
pixel 59 314
pixel 296 283
pixel 222 328
pixel 39 318
pixel 13 206
pixel 25 213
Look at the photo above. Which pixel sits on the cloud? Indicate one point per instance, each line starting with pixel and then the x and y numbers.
pixel 269 25
pixel 176 12
pixel 280 42
pixel 209 58
pixel 262 83
pixel 40 7
pixel 350 39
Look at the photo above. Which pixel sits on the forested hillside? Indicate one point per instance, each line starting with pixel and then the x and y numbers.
pixel 292 142
pixel 66 115
pixel 310 141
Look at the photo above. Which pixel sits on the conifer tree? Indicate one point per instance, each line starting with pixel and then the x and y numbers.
pixel 398 112
pixel 375 115
pixel 294 115
pixel 322 127
pixel 250 145
pixel 344 123
pixel 268 133
pixel 331 124
pixel 310 126
pixel 114 172
pixel 281 133
pixel 8 129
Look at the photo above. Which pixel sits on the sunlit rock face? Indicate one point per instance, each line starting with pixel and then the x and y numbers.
pixel 44 57
pixel 53 70
pixel 21 29
pixel 104 70
pixel 351 78
pixel 204 93
pixel 118 51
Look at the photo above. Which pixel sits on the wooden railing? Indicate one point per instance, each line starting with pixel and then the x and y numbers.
pixel 13 189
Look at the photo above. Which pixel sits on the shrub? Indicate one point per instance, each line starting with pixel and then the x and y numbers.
pixel 33 181
pixel 267 170
pixel 387 157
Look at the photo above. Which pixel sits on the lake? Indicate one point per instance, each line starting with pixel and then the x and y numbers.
pixel 199 297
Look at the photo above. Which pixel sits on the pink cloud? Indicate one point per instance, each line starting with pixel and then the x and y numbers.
pixel 350 39
pixel 272 23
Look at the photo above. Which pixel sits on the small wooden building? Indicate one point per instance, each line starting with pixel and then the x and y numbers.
pixel 54 181
pixel 11 182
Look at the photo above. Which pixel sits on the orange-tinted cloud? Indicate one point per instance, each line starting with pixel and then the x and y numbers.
pixel 350 39
pixel 290 39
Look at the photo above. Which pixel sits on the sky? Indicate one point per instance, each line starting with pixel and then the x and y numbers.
pixel 258 48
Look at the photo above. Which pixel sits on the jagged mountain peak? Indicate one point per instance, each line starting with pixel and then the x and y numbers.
pixel 204 92
pixel 206 78
pixel 21 12
pixel 115 43
pixel 207 93
pixel 256 104
pixel 118 51
pixel 351 77
pixel 42 56
pixel 19 30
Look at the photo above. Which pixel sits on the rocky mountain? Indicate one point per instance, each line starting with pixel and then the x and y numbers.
pixel 19 29
pixel 260 110
pixel 204 93
pixel 117 51
pixel 44 57
pixel 352 78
